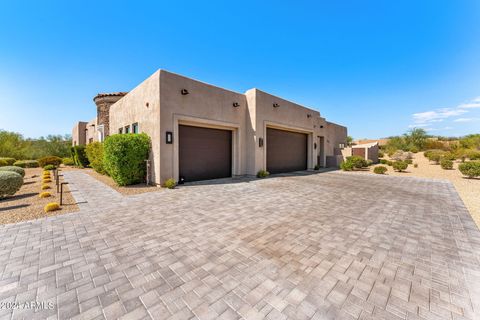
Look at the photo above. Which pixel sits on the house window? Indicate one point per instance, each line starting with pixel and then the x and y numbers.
pixel 127 129
pixel 120 131
pixel 135 128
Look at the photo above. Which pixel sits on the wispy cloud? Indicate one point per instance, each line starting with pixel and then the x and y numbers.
pixel 466 119
pixel 475 103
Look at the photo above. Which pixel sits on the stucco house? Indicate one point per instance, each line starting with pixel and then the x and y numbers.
pixel 200 131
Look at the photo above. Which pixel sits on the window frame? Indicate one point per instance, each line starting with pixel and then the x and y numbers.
pixel 127 129
pixel 135 126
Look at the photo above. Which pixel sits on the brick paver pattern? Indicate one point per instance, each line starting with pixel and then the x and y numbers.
pixel 311 246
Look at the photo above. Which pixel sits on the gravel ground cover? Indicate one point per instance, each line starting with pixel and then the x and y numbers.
pixel 26 204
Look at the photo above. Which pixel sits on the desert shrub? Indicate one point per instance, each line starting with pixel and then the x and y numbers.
pixel 389 163
pixel 45 194
pixel 124 157
pixel 409 161
pixel 449 156
pixel 470 169
pixel 474 155
pixel 46 180
pixel 170 183
pixel 446 164
pixel 49 167
pixel 263 174
pixel 52 206
pixel 369 162
pixel 9 161
pixel 80 157
pixel 45 187
pixel 346 166
pixel 414 149
pixel 380 170
pixel 381 154
pixel 55 161
pixel 415 165
pixel 26 164
pixel 68 161
pixel 357 162
pixel 10 182
pixel 434 155
pixel 383 161
pixel 3 163
pixel 400 166
pixel 401 155
pixel 94 152
pixel 18 170
pixel 435 144
pixel 317 167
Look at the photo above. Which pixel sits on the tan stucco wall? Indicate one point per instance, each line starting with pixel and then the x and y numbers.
pixel 211 106
pixel 78 133
pixel 91 132
pixel 205 105
pixel 133 108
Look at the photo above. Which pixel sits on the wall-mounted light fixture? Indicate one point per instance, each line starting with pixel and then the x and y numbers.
pixel 169 137
pixel 276 105
pixel 321 126
pixel 236 104
pixel 184 92
pixel 314 145
pixel 147 104
pixel 260 142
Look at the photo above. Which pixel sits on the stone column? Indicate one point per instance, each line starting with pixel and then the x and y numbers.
pixel 103 102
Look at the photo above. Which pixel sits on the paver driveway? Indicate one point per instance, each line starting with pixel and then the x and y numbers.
pixel 328 245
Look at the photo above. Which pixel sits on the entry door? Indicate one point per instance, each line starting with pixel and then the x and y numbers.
pixel 286 151
pixel 204 153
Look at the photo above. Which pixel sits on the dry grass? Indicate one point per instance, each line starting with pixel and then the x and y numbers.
pixel 127 190
pixel 468 189
pixel 26 204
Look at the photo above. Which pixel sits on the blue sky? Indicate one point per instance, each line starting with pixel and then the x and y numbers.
pixel 378 67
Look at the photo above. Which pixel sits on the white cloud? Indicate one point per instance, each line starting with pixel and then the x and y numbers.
pixel 437 115
pixel 466 119
pixel 475 103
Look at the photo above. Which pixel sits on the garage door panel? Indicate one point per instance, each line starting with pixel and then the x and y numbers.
pixel 204 153
pixel 286 151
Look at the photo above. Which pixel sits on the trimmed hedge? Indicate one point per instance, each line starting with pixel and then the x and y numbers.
pixel 9 161
pixel 3 163
pixel 68 161
pixel 10 182
pixel 446 164
pixel 380 170
pixel 263 174
pixel 94 152
pixel 170 183
pixel 400 165
pixel 124 157
pixel 18 170
pixel 26 164
pixel 79 156
pixel 470 169
pixel 55 161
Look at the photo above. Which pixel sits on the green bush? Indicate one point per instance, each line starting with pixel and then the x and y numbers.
pixel 10 182
pixel 389 163
pixel 18 170
pixel 80 157
pixel 317 167
pixel 470 169
pixel 381 154
pixel 49 167
pixel 414 149
pixel 415 165
pixel 262 174
pixel 94 153
pixel 9 161
pixel 383 161
pixel 3 163
pixel 26 164
pixel 357 162
pixel 449 156
pixel 409 161
pixel 474 155
pixel 124 157
pixel 400 166
pixel 68 161
pixel 170 183
pixel 346 166
pixel 434 155
pixel 56 161
pixel 380 170
pixel 446 164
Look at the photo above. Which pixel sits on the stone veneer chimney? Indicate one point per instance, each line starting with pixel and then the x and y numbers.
pixel 103 102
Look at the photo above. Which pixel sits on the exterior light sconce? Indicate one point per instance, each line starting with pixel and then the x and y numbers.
pixel 260 142
pixel 184 92
pixel 321 126
pixel 315 146
pixel 236 104
pixel 276 105
pixel 147 104
pixel 169 137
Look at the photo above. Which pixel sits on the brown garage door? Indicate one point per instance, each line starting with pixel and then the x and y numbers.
pixel 286 151
pixel 204 153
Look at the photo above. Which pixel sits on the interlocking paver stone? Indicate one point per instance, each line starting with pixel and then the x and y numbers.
pixel 328 245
